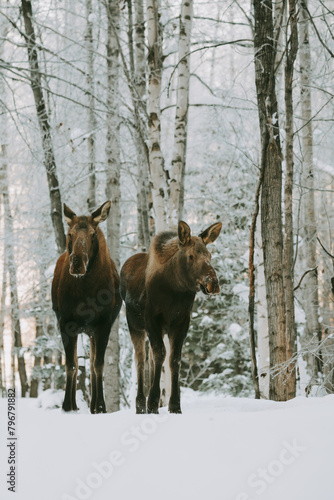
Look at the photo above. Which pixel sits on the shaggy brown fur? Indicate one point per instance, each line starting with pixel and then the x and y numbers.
pixel 86 299
pixel 159 290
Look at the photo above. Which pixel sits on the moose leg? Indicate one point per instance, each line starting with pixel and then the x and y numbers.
pixel 138 341
pixel 70 345
pixel 92 374
pixel 159 354
pixel 101 340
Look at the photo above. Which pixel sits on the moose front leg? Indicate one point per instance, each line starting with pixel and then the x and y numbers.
pixel 71 362
pixel 92 374
pixel 101 341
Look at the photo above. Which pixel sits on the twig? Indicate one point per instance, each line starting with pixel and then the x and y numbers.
pixel 324 249
pixel 301 279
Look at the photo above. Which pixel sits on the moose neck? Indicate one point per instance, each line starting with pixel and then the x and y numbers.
pixel 166 261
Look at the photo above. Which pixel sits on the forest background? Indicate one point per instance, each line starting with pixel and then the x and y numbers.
pixel 200 110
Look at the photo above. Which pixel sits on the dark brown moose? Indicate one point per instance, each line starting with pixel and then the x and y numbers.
pixel 86 299
pixel 159 289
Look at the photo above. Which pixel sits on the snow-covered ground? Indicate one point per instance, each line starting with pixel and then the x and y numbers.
pixel 218 449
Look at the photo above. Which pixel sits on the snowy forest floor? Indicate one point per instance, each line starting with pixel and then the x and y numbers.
pixel 220 448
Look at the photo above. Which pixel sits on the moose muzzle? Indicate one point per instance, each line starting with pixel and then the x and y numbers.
pixel 78 265
pixel 210 285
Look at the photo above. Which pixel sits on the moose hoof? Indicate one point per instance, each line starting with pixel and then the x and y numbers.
pixel 68 407
pixel 100 409
pixel 177 410
pixel 153 410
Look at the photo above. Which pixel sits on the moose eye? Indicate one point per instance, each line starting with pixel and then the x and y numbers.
pixel 70 236
pixel 191 258
pixel 93 235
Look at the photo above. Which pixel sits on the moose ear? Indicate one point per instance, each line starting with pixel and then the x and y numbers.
pixel 101 213
pixel 69 214
pixel 211 233
pixel 184 233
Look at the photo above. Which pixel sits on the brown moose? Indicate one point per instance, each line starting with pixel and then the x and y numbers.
pixel 159 289
pixel 86 299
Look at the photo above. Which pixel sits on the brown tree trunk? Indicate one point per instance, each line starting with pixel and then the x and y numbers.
pixel 291 52
pixel 271 211
pixel 310 293
pixel 44 125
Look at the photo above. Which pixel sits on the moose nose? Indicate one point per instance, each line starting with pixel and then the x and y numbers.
pixel 212 287
pixel 78 266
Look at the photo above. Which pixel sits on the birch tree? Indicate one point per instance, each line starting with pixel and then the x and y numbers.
pixel 141 128
pixel 113 193
pixel 310 295
pixel 91 107
pixel 262 320
pixel 14 299
pixel 156 159
pixel 177 171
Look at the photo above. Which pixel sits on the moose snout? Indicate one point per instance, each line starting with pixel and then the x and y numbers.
pixel 212 287
pixel 78 265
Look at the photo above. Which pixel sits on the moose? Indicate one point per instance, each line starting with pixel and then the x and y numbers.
pixel 159 289
pixel 86 299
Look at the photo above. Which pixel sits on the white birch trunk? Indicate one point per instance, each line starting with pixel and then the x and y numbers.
pixel 111 371
pixel 91 108
pixel 157 171
pixel 262 318
pixel 310 289
pixel 177 170
pixel 143 160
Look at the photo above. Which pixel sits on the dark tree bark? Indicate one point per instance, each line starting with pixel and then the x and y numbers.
pixel 44 125
pixel 271 211
pixel 291 53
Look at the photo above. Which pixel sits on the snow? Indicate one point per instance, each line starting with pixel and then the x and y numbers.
pixel 219 448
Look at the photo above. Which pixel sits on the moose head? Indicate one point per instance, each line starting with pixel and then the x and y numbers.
pixel 82 237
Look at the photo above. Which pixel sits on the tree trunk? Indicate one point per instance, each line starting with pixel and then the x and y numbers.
pixel 113 193
pixel 14 301
pixel 157 171
pixel 39 332
pixel 262 320
pixel 2 325
pixel 141 129
pixel 91 107
pixel 177 171
pixel 43 121
pixel 288 254
pixel 271 211
pixel 310 295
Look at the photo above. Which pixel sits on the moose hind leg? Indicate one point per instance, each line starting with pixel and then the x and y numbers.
pixel 138 341
pixel 70 345
pixel 159 354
